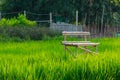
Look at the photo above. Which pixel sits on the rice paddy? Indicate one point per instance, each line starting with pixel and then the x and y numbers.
pixel 47 60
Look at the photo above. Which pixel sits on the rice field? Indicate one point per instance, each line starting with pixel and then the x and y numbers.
pixel 47 60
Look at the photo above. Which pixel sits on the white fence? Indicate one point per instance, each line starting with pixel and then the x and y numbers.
pixel 65 27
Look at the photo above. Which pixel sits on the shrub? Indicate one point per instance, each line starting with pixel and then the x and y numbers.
pixel 3 22
pixel 13 22
pixel 24 21
pixel 26 33
pixel 20 21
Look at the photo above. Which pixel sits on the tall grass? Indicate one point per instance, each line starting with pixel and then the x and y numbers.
pixel 47 60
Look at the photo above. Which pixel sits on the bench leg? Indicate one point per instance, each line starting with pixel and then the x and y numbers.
pixel 70 51
pixel 83 48
pixel 96 49
pixel 76 50
pixel 66 49
pixel 87 50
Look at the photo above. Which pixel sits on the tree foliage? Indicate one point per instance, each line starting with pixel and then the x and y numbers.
pixel 90 11
pixel 20 21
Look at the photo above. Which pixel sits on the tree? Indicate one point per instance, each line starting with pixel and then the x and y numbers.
pixel 90 11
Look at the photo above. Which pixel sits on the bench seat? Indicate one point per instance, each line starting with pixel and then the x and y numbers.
pixel 83 43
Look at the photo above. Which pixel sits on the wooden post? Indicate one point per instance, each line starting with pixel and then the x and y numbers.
pixel 24 13
pixel 76 50
pixel 96 49
pixel 50 19
pixel 65 37
pixel 0 15
pixel 85 37
pixel 76 20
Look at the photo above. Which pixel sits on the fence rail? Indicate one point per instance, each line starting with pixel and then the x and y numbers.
pixel 95 32
pixel 65 27
pixel 108 31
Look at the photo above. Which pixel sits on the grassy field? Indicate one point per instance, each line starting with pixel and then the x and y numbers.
pixel 47 60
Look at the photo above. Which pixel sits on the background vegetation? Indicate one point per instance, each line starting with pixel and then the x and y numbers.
pixel 20 29
pixel 26 33
pixel 99 12
pixel 18 21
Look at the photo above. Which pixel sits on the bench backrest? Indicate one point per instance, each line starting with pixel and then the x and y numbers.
pixel 79 33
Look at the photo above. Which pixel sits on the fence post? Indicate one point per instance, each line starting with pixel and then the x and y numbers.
pixel 76 20
pixel 0 15
pixel 24 13
pixel 50 19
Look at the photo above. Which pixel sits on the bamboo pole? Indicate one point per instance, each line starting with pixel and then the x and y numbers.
pixel 50 19
pixel 76 20
pixel 24 13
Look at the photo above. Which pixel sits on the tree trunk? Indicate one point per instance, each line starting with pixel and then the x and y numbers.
pixel 96 26
pixel 102 19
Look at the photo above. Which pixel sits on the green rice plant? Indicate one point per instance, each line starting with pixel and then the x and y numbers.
pixel 47 60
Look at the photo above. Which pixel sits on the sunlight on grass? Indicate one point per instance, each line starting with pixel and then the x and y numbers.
pixel 47 60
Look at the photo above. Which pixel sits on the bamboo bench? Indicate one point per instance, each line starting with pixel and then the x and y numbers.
pixel 79 44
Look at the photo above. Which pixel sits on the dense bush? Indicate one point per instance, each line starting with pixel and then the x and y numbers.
pixel 20 28
pixel 20 21
pixel 26 33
